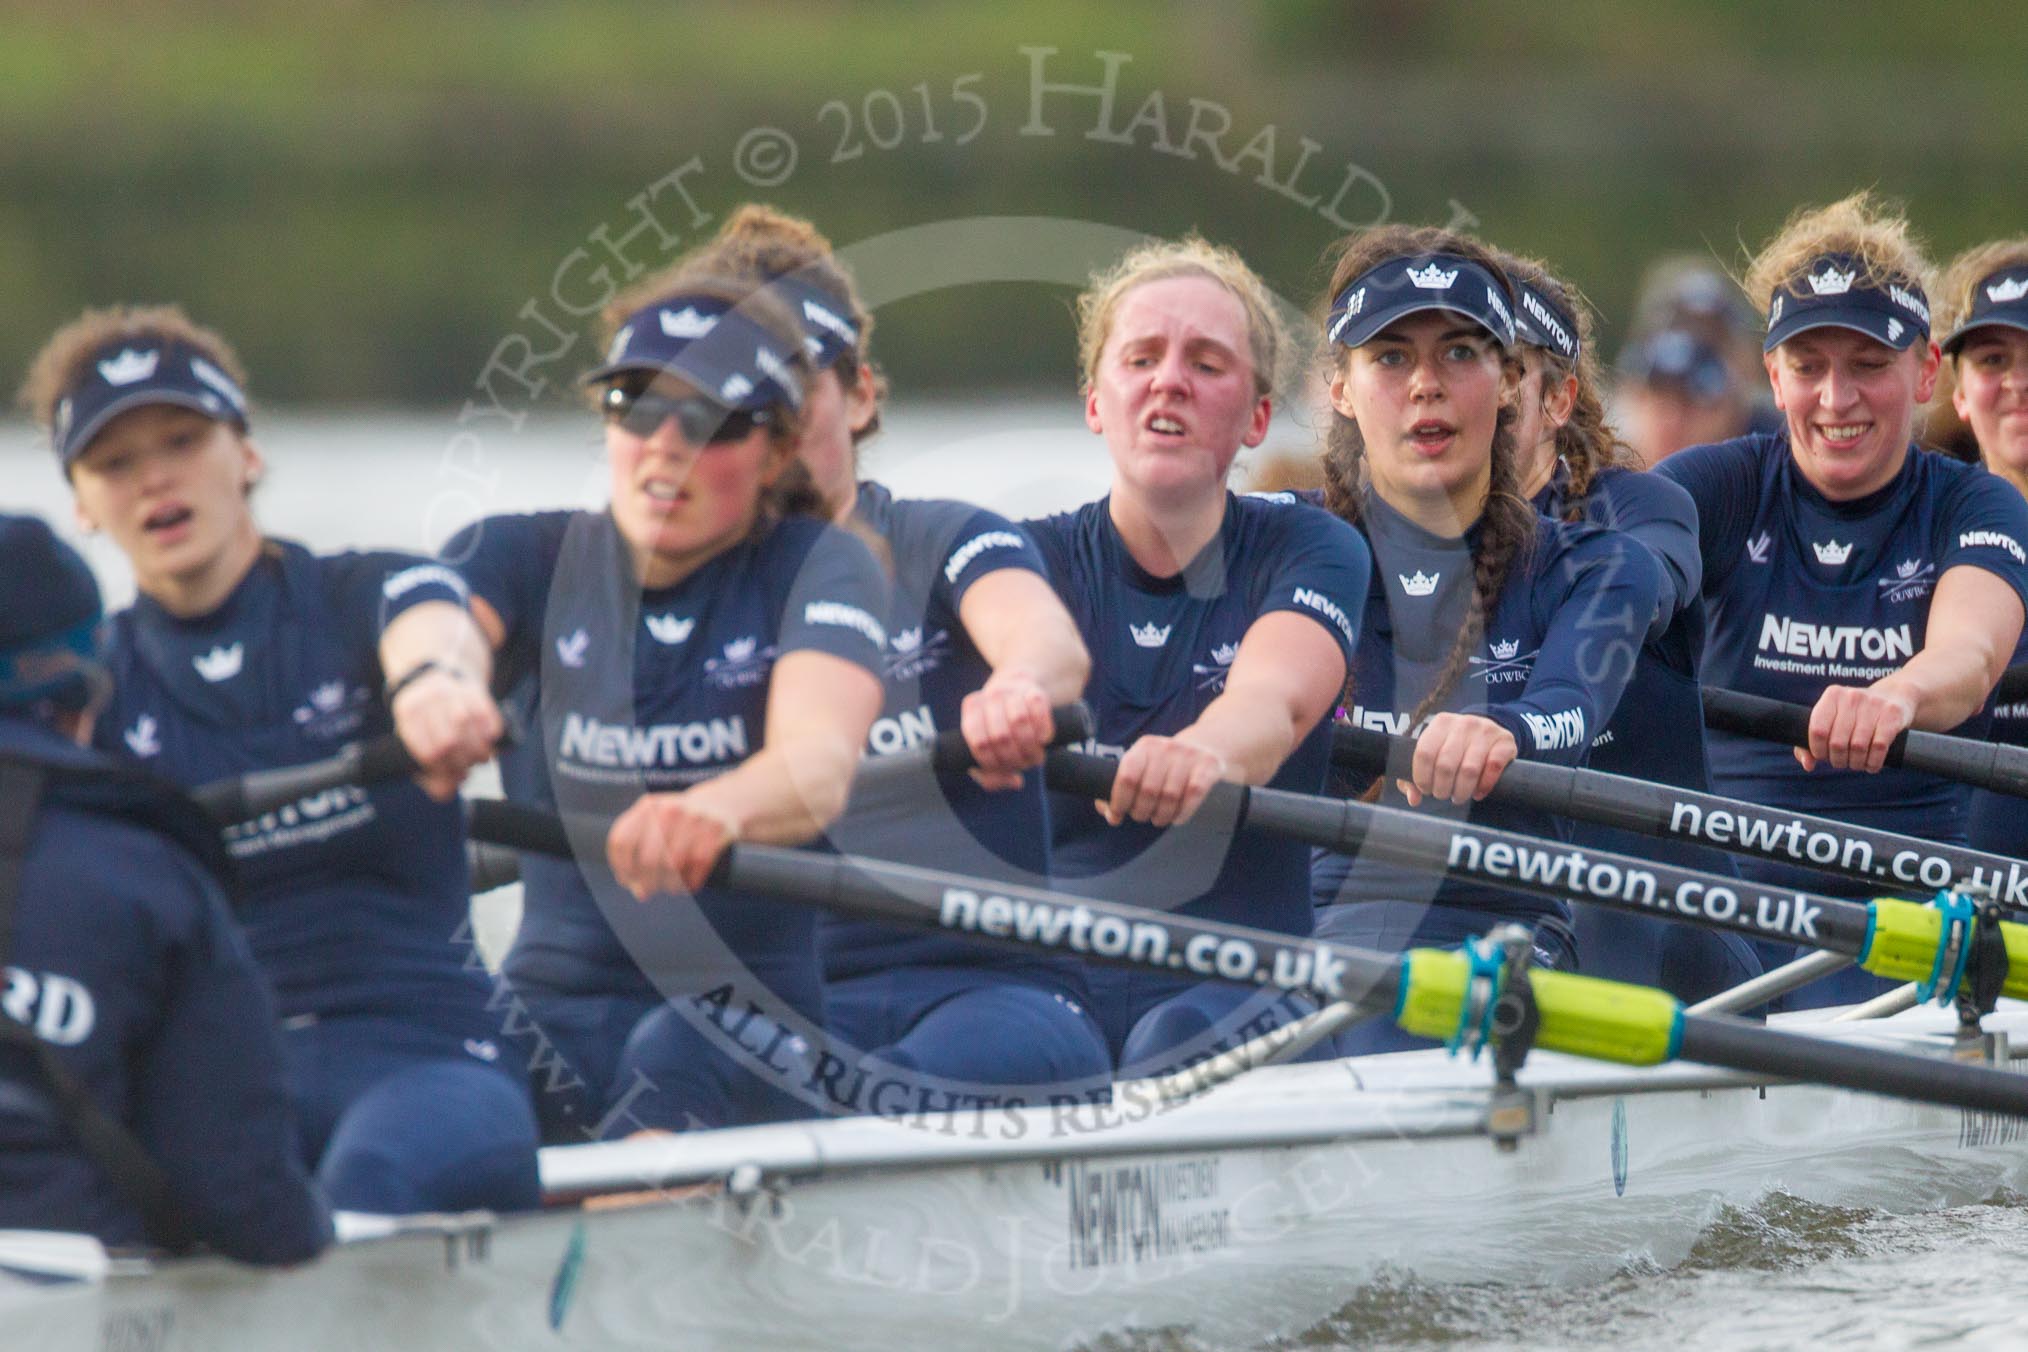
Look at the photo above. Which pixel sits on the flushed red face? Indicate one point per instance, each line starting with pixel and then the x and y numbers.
pixel 1850 402
pixel 1426 392
pixel 1992 396
pixel 1173 394
pixel 676 503
pixel 169 486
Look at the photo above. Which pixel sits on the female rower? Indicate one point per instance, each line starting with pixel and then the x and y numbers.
pixel 1221 629
pixel 977 641
pixel 1845 568
pixel 1573 468
pixel 244 653
pixel 1492 632
pixel 705 656
pixel 1985 297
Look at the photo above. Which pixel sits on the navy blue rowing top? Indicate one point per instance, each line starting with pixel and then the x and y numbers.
pixel 1806 593
pixel 1554 658
pixel 1161 647
pixel 649 691
pixel 125 961
pixel 357 898
pixel 1656 732
pixel 939 549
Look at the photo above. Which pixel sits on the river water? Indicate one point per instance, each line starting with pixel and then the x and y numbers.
pixel 1780 1274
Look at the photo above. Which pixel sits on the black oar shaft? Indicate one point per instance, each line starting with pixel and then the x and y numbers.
pixel 1894 863
pixel 1026 917
pixel 1514 862
pixel 949 753
pixel 1849 1065
pixel 1129 936
pixel 2004 769
pixel 258 791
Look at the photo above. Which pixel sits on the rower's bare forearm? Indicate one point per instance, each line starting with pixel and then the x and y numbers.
pixel 1252 732
pixel 1947 685
pixel 778 799
pixel 439 632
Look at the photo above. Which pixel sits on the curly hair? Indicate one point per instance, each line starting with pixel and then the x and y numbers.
pixel 1586 443
pixel 1872 230
pixel 1507 524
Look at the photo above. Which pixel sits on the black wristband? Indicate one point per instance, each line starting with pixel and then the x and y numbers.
pixel 416 672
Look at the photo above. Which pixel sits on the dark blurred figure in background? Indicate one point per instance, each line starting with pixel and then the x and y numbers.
pixel 1690 372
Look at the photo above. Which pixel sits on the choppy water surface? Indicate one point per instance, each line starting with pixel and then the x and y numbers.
pixel 1782 1274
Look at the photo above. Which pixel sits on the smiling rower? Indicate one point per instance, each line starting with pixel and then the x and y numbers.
pixel 1846 568
pixel 1492 632
pixel 245 653
pixel 1985 301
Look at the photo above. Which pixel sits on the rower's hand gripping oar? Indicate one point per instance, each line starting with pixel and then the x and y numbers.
pixel 949 753
pixel 2001 768
pixel 1433 993
pixel 494 865
pixel 1949 946
pixel 1936 946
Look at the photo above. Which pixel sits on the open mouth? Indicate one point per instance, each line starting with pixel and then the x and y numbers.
pixel 1431 436
pixel 1166 425
pixel 666 492
pixel 1843 436
pixel 166 518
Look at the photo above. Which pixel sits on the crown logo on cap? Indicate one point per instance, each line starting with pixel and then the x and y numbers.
pixel 1831 282
pixel 1422 584
pixel 1506 648
pixel 1831 552
pixel 1432 277
pixel 687 323
pixel 1150 635
pixel 2012 289
pixel 130 366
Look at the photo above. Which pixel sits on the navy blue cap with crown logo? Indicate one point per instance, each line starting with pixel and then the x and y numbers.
pixel 708 341
pixel 135 371
pixel 1399 287
pixel 2000 298
pixel 825 318
pixel 1837 290
pixel 1540 322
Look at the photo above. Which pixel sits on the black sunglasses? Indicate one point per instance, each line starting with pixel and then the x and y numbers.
pixel 702 421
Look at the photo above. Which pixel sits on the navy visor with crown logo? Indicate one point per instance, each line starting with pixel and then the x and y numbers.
pixel 707 341
pixel 1540 322
pixel 826 319
pixel 133 372
pixel 1401 287
pixel 1834 292
pixel 2000 298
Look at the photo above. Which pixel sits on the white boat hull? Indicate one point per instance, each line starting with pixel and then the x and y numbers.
pixel 1254 1210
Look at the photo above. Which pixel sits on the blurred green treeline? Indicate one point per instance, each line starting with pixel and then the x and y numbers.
pixel 364 193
